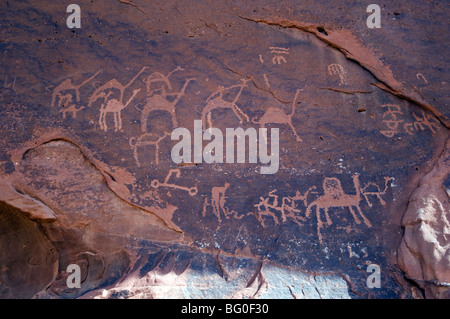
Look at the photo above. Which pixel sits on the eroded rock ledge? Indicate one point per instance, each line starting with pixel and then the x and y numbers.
pixel 424 252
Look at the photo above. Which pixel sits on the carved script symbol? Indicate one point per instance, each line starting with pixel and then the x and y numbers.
pixel 337 69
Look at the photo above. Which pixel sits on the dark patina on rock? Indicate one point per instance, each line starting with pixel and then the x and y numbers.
pixel 87 116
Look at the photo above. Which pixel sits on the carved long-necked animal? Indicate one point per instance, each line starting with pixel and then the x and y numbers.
pixel 67 85
pixel 216 101
pixel 334 196
pixel 114 106
pixel 113 84
pixel 68 107
pixel 275 115
pixel 159 102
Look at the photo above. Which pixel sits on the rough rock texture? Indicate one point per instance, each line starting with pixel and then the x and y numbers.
pixel 424 252
pixel 87 178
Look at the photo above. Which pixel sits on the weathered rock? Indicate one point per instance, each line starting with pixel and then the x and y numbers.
pixel 87 116
pixel 424 253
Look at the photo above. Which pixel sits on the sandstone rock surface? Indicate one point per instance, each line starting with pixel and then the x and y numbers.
pixel 87 177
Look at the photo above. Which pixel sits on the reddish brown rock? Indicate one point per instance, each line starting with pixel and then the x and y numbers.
pixel 86 165
pixel 424 252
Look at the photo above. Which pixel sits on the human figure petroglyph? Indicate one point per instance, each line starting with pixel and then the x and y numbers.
pixel 261 59
pixel 157 100
pixel 264 208
pixel 156 184
pixel 114 106
pixel 334 196
pixel 266 80
pixel 67 85
pixel 144 140
pixel 276 115
pixel 288 207
pixel 337 69
pixel 218 200
pixel 291 209
pixel 218 203
pixel 216 101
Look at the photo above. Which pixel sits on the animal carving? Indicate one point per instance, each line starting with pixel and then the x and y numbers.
pixel 114 106
pixel 334 196
pixel 276 115
pixel 216 101
pixel 67 85
pixel 113 84
pixel 160 101
pixel 65 102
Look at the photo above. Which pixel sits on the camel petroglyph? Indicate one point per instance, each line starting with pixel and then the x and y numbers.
pixel 216 101
pixel 67 85
pixel 334 196
pixel 114 106
pixel 157 100
pixel 276 115
pixel 111 85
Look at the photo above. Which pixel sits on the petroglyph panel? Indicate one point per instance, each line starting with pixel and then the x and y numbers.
pixel 349 148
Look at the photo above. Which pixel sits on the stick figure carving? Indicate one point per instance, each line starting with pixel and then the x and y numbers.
pixel 278 116
pixel 157 100
pixel 216 101
pixel 264 208
pixel 337 69
pixel 218 203
pixel 288 208
pixel 144 140
pixel 218 200
pixel 114 106
pixel 334 196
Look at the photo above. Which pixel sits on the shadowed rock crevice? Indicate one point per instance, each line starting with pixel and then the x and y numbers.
pixel 28 260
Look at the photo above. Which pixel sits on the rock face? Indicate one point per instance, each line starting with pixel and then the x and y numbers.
pixel 424 252
pixel 355 204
